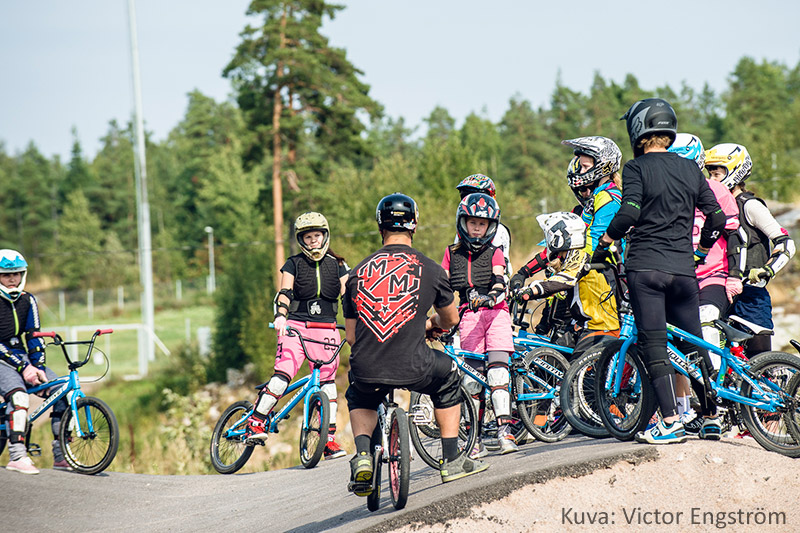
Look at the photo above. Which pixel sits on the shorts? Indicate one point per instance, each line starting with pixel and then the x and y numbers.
pixel 441 383
pixel 755 305
pixel 715 295
pixel 488 330
pixel 289 356
pixel 10 380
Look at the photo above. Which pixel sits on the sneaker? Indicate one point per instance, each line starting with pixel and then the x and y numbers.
pixel 479 451
pixel 653 421
pixel 693 426
pixel 62 465
pixel 711 429
pixel 24 465
pixel 333 450
pixel 256 428
pixel 663 434
pixel 361 474
pixel 461 467
pixel 508 444
pixel 743 434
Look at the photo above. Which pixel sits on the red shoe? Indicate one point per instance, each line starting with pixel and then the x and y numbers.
pixel 333 450
pixel 62 465
pixel 256 428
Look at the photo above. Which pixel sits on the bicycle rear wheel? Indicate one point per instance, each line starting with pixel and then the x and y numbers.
pixel 424 431
pixel 578 398
pixel 628 412
pixel 229 451
pixel 93 452
pixel 777 431
pixel 399 458
pixel 314 437
pixel 544 419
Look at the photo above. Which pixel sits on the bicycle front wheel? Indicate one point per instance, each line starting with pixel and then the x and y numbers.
pixel 314 436
pixel 578 396
pixel 399 458
pixel 627 412
pixel 90 450
pixel 543 418
pixel 229 450
pixel 424 431
pixel 778 373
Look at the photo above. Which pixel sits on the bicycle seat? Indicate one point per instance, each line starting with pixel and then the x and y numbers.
pixel 755 328
pixel 731 333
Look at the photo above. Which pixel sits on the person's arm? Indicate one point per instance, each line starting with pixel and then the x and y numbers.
pixel 783 247
pixel 350 330
pixel 36 352
pixel 445 317
pixel 537 264
pixel 715 218
pixel 282 301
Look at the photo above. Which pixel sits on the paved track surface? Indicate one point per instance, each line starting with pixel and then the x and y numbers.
pixel 294 500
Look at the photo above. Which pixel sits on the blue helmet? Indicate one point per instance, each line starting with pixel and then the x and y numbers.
pixel 12 261
pixel 689 146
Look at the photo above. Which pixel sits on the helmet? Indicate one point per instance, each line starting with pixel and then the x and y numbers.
pixel 312 221
pixel 12 261
pixel 477 205
pixel 734 158
pixel 605 152
pixel 562 231
pixel 397 212
pixel 476 183
pixel 648 116
pixel 689 146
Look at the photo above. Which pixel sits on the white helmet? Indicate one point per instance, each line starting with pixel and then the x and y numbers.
pixel 563 231
pixel 689 146
pixel 12 261
pixel 312 221
pixel 734 158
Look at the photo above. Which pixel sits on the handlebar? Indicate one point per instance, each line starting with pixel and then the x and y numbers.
pixel 293 332
pixel 58 341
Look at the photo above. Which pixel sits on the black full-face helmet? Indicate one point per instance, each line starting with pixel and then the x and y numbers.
pixel 649 116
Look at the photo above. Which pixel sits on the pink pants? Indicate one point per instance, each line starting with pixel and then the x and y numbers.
pixel 487 330
pixel 290 356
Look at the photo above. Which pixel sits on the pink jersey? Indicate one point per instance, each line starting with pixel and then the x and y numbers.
pixel 715 269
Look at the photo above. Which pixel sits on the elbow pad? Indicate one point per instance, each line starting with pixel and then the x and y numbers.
pixel 736 245
pixel 498 291
pixel 538 263
pixel 712 228
pixel 782 251
pixel 626 217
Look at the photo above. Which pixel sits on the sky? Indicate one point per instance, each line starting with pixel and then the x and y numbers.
pixel 67 64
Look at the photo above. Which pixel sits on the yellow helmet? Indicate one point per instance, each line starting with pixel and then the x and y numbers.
pixel 734 158
pixel 312 221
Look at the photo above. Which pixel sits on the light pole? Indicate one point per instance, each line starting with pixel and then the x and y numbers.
pixel 212 280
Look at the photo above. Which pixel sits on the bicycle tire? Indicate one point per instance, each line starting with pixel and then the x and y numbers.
pixel 94 452
pixel 399 458
pixel 772 429
pixel 424 431
pixel 624 415
pixel 314 437
pixel 374 497
pixel 3 437
pixel 578 398
pixel 544 419
pixel 489 427
pixel 230 454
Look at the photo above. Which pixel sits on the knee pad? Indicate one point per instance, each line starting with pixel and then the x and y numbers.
pixel 498 379
pixel 20 401
pixel 268 397
pixel 329 388
pixel 472 386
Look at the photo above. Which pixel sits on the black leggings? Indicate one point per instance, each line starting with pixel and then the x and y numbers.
pixel 657 298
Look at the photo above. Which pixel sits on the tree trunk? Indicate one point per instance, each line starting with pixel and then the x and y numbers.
pixel 277 192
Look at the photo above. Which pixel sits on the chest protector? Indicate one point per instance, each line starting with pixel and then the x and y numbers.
pixel 469 270
pixel 316 279
pixel 757 241
pixel 13 316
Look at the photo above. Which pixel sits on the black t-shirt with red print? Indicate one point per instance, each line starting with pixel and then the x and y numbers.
pixel 390 293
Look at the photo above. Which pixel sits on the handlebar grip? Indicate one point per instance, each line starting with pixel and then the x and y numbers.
pixel 105 331
pixel 596 266
pixel 51 334
pixel 321 325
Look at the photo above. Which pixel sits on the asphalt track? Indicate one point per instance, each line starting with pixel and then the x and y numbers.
pixel 294 500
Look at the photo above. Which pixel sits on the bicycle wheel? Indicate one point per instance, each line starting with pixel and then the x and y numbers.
pixel 777 431
pixel 627 413
pixel 229 451
pixel 424 431
pixel 314 437
pixel 3 436
pixel 399 458
pixel 94 451
pixel 544 419
pixel 578 396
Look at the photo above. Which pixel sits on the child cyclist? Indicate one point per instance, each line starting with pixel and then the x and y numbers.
pixel 311 283
pixel 476 269
pixel 768 246
pixel 22 362
pixel 484 184
pixel 718 277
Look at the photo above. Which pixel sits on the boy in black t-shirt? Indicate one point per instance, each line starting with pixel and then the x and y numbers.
pixel 386 301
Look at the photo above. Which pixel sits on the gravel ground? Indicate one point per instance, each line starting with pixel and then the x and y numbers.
pixel 730 485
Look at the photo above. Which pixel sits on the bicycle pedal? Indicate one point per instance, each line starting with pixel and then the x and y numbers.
pixel 255 442
pixel 359 487
pixel 34 450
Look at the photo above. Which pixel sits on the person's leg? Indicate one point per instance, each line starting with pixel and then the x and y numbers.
pixel 13 389
pixel 363 401
pixel 56 414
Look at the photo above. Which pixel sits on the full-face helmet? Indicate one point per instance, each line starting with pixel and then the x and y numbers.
pixel 477 205
pixel 11 261
pixel 734 158
pixel 476 183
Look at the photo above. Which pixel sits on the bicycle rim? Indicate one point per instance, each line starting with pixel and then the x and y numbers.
pixel 424 430
pixel 578 399
pixel 229 453
pixel 544 419
pixel 399 458
pixel 314 437
pixel 92 449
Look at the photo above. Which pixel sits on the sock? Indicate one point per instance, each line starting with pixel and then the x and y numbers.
pixel 449 448
pixel 683 405
pixel 362 444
